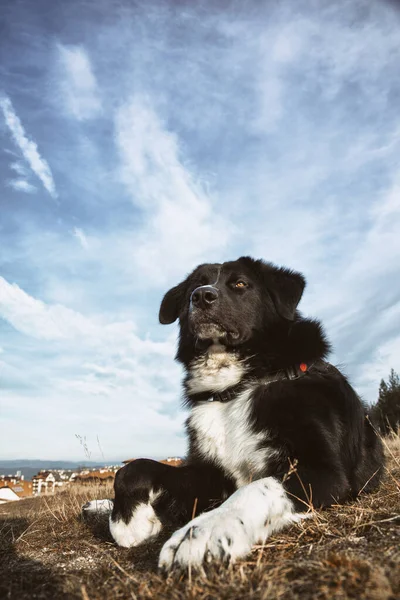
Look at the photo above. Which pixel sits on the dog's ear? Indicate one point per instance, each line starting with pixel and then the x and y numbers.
pixel 172 303
pixel 286 288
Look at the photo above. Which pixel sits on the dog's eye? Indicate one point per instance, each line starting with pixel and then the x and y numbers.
pixel 241 284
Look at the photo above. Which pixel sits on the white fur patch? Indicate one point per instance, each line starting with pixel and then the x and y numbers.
pixel 143 524
pixel 214 371
pixel 227 533
pixel 225 435
pixel 98 506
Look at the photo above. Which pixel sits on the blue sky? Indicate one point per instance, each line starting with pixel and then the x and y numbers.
pixel 138 139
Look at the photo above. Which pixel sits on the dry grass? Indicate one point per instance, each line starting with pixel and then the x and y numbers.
pixel 351 551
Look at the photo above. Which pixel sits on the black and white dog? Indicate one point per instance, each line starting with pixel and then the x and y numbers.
pixel 273 428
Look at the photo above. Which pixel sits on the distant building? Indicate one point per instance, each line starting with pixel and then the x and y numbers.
pixel 23 489
pixel 11 478
pixel 99 476
pixel 50 481
pixel 14 489
pixel 173 461
pixel 47 482
pixel 7 495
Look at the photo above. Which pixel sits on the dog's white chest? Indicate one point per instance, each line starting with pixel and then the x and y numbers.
pixel 224 435
pixel 215 371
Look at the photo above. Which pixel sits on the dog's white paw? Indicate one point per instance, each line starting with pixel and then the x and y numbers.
pixel 218 535
pixel 98 506
pixel 142 525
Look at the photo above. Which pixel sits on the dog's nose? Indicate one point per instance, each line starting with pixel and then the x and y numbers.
pixel 204 296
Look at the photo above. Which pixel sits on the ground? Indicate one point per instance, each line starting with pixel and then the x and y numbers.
pixel 353 551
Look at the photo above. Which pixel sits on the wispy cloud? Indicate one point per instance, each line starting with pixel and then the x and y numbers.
pixel 34 318
pixel 19 168
pixel 78 83
pixel 21 185
pixel 28 147
pixel 80 235
pixel 182 223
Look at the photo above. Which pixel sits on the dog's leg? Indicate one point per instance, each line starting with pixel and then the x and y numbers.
pixel 141 522
pixel 148 493
pixel 227 533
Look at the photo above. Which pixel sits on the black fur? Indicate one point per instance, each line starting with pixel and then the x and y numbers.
pixel 327 450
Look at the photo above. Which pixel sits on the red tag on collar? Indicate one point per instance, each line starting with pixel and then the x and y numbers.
pixel 303 367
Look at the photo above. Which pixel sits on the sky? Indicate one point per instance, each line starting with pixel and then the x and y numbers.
pixel 139 139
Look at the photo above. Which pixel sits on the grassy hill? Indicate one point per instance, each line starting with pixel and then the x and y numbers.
pixel 351 551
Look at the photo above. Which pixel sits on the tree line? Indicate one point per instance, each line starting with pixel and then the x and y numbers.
pixel 385 414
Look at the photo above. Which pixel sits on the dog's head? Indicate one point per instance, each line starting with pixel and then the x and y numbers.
pixel 230 303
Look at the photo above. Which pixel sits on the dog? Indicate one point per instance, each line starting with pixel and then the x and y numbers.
pixel 274 430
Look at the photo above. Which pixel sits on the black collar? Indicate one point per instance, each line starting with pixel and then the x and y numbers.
pixel 291 373
pixel 227 395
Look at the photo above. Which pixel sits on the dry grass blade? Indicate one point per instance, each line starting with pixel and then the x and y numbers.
pixel 85 595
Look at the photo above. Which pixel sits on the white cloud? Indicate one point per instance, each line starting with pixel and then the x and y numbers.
pixel 89 376
pixel 28 148
pixel 34 318
pixel 21 185
pixel 182 225
pixel 19 168
pixel 78 83
pixel 80 235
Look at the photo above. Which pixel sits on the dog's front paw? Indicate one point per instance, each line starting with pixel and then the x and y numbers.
pixel 99 507
pixel 215 536
pixel 140 526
